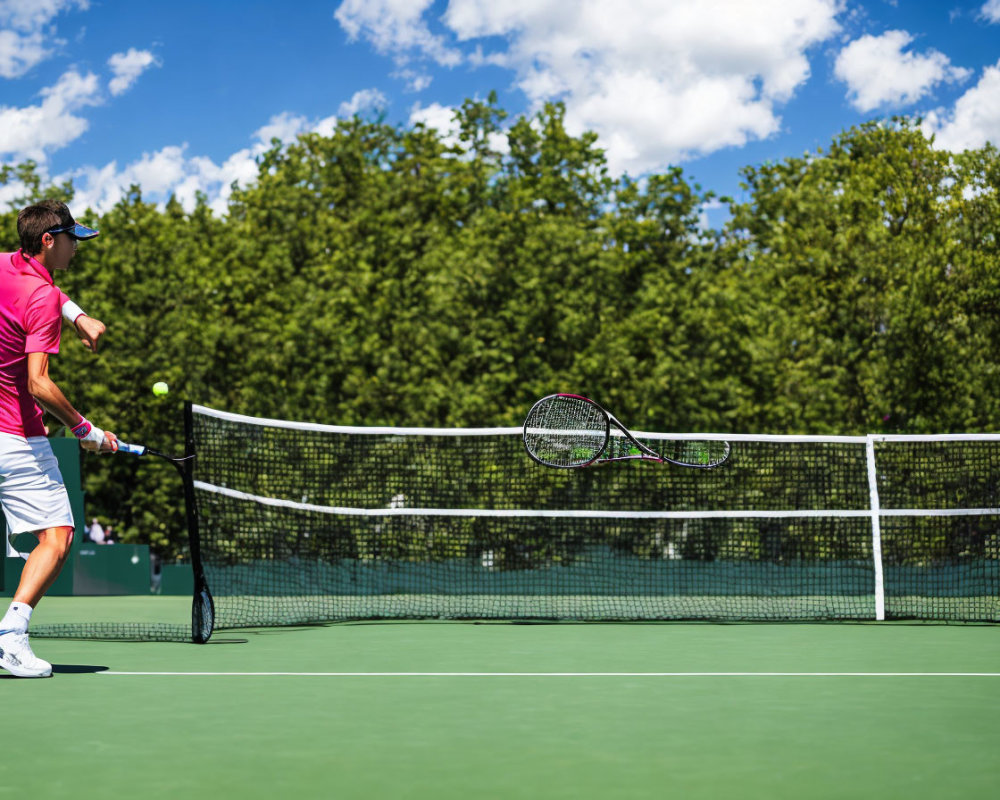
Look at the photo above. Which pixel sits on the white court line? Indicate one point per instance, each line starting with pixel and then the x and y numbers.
pixel 567 674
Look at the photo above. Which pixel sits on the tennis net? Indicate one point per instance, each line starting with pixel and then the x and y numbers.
pixel 296 523
pixel 305 523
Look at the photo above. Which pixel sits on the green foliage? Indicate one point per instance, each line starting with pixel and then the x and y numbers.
pixel 384 275
pixel 864 264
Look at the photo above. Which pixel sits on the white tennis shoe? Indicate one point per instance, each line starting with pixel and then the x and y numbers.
pixel 16 657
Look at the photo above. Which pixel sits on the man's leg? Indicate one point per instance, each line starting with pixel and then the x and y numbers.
pixel 39 572
pixel 43 565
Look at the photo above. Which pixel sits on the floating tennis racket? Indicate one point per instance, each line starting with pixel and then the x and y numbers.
pixel 142 450
pixel 566 430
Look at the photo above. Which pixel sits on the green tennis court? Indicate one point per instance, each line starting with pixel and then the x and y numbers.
pixel 456 709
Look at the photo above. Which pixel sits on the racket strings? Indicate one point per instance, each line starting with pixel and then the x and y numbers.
pixel 565 431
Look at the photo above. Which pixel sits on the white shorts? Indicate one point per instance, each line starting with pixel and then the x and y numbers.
pixel 32 492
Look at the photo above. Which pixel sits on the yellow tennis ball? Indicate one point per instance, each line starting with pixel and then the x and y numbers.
pixel 160 388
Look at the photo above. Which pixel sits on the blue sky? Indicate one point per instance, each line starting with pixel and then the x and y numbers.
pixel 181 96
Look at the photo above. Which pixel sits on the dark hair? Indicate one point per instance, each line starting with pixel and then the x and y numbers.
pixel 34 221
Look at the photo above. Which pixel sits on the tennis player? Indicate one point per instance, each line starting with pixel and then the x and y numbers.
pixel 32 492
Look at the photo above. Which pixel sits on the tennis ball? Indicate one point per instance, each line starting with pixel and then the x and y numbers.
pixel 160 388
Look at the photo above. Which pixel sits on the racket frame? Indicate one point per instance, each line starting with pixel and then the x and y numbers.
pixel 645 453
pixel 142 450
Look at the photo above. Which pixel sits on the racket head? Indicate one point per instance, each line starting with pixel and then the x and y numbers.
pixel 566 431
pixel 202 617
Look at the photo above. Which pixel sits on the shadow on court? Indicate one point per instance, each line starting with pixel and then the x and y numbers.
pixel 65 669
pixel 76 669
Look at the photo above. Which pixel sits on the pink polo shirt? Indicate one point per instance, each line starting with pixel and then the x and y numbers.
pixel 30 322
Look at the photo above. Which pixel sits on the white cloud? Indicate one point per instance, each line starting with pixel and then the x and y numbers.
pixel 33 131
pixel 658 80
pixel 878 73
pixel 28 15
pixel 284 126
pixel 442 119
pixel 991 11
pixel 396 27
pixel 975 118
pixel 163 173
pixel 416 80
pixel 23 22
pixel 11 192
pixel 215 181
pixel 437 116
pixel 171 171
pixel 158 172
pixel 20 52
pixel 362 101
pixel 127 67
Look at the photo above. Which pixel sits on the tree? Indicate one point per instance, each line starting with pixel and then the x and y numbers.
pixel 857 260
pixel 390 275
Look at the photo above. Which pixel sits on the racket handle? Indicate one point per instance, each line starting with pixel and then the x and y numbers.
pixel 131 449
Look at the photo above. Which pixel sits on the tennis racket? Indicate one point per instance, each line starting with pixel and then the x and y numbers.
pixel 566 430
pixel 142 450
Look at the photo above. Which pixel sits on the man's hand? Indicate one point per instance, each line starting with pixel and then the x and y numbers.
pixel 89 330
pixel 107 444
pixel 110 443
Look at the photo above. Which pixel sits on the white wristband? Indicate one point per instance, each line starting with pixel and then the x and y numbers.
pixel 85 431
pixel 71 311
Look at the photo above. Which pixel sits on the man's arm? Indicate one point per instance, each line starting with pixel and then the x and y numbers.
pixel 51 398
pixel 87 328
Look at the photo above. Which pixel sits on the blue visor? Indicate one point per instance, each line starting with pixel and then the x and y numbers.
pixel 76 230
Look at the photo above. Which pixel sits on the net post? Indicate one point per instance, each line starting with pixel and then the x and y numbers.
pixel 876 528
pixel 202 605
